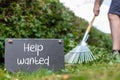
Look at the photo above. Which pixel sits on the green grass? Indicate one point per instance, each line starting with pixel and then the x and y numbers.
pixel 90 71
pixel 99 71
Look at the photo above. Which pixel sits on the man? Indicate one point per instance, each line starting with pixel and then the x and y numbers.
pixel 114 20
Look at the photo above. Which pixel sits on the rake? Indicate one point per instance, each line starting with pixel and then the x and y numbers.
pixel 81 53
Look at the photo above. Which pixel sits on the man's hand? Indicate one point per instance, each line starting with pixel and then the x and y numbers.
pixel 96 8
pixel 96 11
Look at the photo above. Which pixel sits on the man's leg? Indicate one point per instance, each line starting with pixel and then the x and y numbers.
pixel 115 30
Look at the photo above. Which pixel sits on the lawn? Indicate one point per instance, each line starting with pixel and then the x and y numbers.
pixel 89 71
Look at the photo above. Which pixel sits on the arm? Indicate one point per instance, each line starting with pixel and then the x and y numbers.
pixel 96 8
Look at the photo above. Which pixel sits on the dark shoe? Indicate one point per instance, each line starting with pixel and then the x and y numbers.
pixel 115 57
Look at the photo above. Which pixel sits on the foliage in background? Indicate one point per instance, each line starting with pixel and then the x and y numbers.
pixel 46 19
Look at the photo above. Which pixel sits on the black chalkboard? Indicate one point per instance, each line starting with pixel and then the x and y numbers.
pixel 29 55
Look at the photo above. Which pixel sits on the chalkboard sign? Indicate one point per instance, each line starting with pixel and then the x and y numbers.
pixel 29 55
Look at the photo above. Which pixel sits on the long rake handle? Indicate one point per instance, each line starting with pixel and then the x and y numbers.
pixel 90 25
pixel 88 30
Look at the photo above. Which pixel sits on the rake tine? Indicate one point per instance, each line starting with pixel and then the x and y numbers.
pixel 87 57
pixel 77 57
pixel 72 58
pixel 80 58
pixel 92 57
